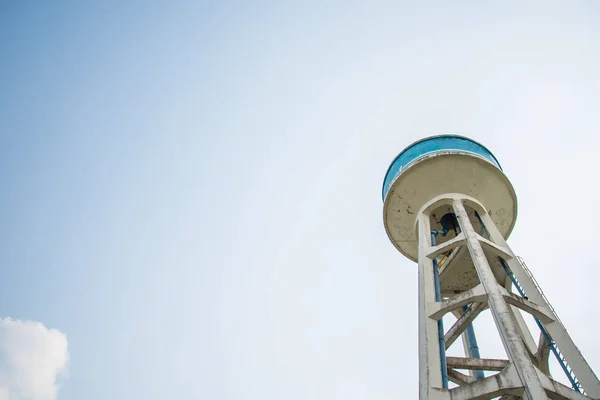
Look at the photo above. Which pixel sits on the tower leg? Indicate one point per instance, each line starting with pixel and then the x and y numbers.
pixel 503 316
pixel 430 375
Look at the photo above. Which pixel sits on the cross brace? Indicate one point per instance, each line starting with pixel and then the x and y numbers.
pixel 486 364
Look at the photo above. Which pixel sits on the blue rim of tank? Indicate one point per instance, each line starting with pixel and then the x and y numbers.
pixel 445 143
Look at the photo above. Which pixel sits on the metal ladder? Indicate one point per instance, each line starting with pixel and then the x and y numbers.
pixel 562 361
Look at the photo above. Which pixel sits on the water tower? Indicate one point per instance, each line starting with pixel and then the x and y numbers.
pixel 449 207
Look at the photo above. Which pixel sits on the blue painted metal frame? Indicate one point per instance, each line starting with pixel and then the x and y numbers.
pixel 443 143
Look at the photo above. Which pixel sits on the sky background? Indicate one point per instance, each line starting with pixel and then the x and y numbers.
pixel 190 198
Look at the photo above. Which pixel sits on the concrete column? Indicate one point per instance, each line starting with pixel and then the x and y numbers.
pixel 430 374
pixel 501 312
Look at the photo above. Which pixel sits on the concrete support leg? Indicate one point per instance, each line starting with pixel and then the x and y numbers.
pixel 430 371
pixel 501 312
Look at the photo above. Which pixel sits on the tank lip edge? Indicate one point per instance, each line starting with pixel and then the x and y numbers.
pixel 434 137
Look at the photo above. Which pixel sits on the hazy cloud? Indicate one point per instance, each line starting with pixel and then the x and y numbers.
pixel 32 358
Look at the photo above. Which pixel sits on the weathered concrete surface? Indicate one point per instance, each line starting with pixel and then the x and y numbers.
pixel 485 364
pixel 558 391
pixel 430 375
pixel 542 355
pixel 503 316
pixel 459 378
pixel 542 313
pixel 518 375
pixel 475 295
pixel 462 323
pixel 442 248
pixel 506 382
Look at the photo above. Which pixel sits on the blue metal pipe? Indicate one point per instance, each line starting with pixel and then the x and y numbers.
pixel 473 347
pixel 443 232
pixel 438 297
pixel 485 231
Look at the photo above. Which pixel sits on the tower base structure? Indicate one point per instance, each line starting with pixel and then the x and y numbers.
pixel 466 267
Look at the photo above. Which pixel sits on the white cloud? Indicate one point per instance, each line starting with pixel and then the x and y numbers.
pixel 32 358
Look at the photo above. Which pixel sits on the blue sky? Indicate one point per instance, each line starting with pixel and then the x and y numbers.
pixel 191 192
